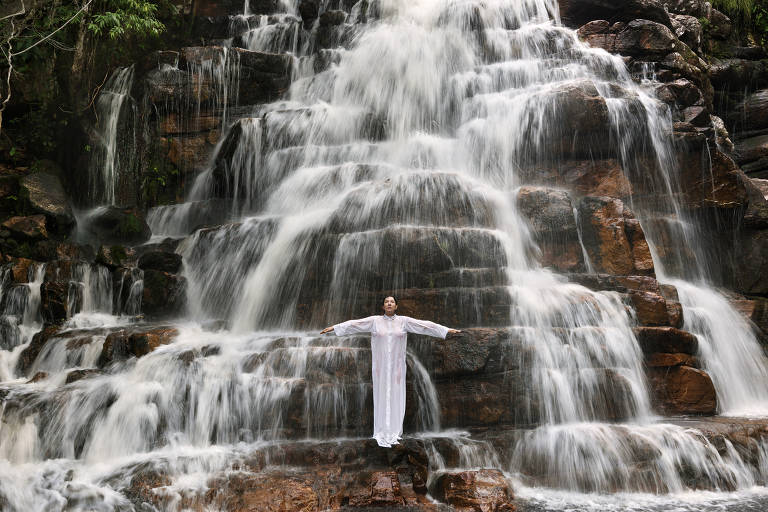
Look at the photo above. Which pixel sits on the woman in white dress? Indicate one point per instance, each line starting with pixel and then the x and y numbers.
pixel 388 337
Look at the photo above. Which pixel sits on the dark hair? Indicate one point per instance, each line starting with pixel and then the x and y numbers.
pixel 388 296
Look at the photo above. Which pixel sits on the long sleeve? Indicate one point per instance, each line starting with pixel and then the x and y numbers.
pixel 354 326
pixel 425 327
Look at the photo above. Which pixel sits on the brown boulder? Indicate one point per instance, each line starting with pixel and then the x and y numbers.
pixel 484 490
pixel 591 177
pixel 550 215
pixel 30 228
pixel 666 339
pixel 682 390
pixel 613 238
pixel 123 344
pixel 262 493
pixel 664 360
pixel 20 269
pixel 54 301
pixel 650 308
pixel 383 491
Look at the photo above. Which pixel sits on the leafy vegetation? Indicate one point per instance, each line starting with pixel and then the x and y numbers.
pixel 750 17
pixel 54 57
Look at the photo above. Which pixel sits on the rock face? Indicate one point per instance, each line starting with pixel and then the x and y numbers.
pixel 613 237
pixel 30 228
pixel 164 294
pixel 475 491
pixel 47 196
pixel 682 390
pixel 112 225
pixel 575 13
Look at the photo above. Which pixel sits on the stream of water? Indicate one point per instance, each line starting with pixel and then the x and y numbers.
pixel 400 147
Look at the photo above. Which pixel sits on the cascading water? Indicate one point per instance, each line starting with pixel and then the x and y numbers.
pixel 115 148
pixel 338 195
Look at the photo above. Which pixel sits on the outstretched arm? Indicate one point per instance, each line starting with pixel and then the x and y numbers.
pixel 351 327
pixel 428 328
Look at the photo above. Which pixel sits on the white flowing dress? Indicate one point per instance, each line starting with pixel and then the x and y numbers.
pixel 388 337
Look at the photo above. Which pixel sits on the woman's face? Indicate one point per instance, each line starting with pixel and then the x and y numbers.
pixel 389 306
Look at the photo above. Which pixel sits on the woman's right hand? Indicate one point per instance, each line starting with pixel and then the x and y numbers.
pixel 326 330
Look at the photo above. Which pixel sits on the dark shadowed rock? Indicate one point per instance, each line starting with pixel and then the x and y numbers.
pixel 115 256
pixel 29 354
pixel 47 196
pixel 666 339
pixel 164 294
pixel 27 228
pixel 53 301
pixel 113 225
pixel 688 30
pixel 638 38
pixel 575 13
pixel 160 260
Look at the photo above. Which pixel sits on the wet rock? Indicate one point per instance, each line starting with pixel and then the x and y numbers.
pixel 666 339
pixel 473 352
pixel 54 301
pixel 697 116
pixel 160 260
pixel 115 256
pixel 680 92
pixel 575 13
pixel 113 225
pixel 753 111
pixel 46 196
pixel 27 228
pixel 638 38
pixel 263 77
pixel 738 73
pixel 688 30
pixel 21 268
pixel 664 360
pixel 650 308
pixel 682 390
pixel 164 294
pixel 123 344
pixel 752 269
pixel 592 177
pixel 76 375
pixel 384 491
pixel 268 493
pixel 550 215
pixel 613 238
pixel 484 490
pixel 715 182
pixel 38 377
pixel 29 354
pixel 751 149
pixel 308 9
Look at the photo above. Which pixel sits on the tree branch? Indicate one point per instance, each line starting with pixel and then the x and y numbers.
pixel 52 33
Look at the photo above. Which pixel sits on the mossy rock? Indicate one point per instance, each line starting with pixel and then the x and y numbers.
pixel 111 225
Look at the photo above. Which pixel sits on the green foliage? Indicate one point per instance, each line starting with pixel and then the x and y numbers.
pixel 740 8
pixel 131 17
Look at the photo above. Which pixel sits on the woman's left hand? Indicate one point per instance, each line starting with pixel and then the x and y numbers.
pixel 453 331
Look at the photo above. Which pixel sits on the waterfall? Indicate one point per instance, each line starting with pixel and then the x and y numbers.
pixel 114 149
pixel 392 165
